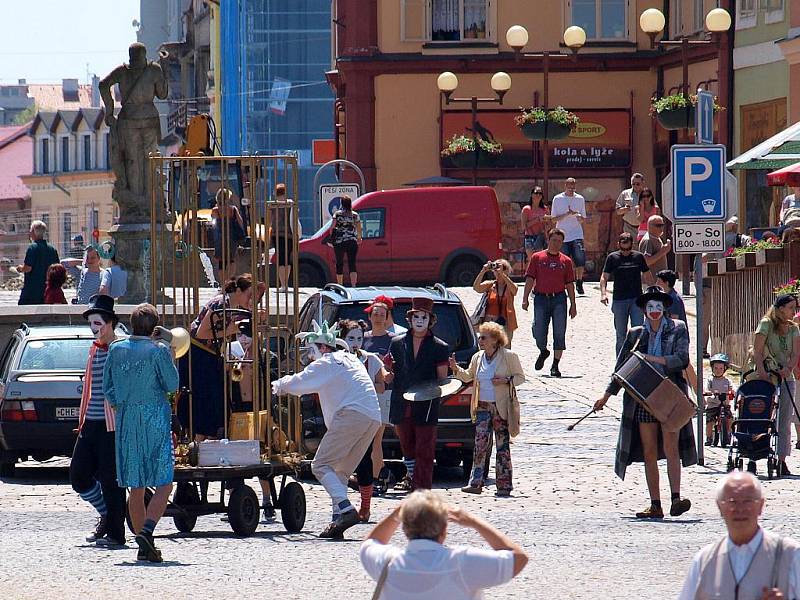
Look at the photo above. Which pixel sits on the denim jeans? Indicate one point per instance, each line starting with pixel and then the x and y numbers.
pixel 624 310
pixel 576 252
pixel 546 308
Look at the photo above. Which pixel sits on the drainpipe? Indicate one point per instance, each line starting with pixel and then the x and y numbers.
pixel 61 187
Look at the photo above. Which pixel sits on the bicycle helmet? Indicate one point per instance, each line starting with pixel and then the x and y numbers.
pixel 721 358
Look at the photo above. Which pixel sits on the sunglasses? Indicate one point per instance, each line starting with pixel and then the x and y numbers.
pixel 536 193
pixel 658 224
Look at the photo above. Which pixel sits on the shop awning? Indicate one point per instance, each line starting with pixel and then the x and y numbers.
pixel 781 150
pixel 786 176
pixel 434 181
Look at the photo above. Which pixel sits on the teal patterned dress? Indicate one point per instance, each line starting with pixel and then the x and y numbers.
pixel 137 376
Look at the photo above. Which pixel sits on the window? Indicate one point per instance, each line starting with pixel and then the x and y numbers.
pixel 373 223
pixel 773 11
pixel 65 154
pixel 95 219
pixel 66 233
pixel 87 153
pixel 44 162
pixel 676 18
pixel 745 14
pixel 698 16
pixel 447 20
pixel 108 150
pixel 601 19
pixel 60 355
pixel 45 218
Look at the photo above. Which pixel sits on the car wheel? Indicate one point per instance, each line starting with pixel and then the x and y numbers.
pixel 7 469
pixel 310 275
pixel 463 272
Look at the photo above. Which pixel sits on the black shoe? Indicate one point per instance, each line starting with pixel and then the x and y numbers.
pixel 100 529
pixel 554 372
pixel 783 470
pixel 542 357
pixel 148 547
pixel 579 286
pixel 141 554
pixel 269 513
pixel 680 506
pixel 109 541
pixel 344 522
pixel 331 533
pixel 752 467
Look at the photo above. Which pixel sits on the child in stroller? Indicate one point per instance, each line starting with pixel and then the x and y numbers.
pixel 755 432
pixel 718 395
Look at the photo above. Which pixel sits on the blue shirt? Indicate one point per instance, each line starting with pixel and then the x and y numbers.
pixel 678 308
pixel 115 280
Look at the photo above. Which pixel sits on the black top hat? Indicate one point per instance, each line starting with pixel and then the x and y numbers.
pixel 654 292
pixel 102 304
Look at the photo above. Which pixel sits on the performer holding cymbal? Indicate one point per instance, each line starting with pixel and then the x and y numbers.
pixel 664 344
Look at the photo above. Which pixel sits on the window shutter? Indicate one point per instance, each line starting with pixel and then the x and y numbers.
pixel 415 20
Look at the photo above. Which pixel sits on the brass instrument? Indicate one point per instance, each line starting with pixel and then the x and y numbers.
pixel 237 373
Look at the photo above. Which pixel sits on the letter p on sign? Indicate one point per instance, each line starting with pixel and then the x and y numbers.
pixel 693 173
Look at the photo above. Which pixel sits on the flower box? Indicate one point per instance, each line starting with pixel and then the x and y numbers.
pixel 711 269
pixel 676 118
pixel 746 260
pixel 545 130
pixel 722 264
pixel 769 255
pixel 730 264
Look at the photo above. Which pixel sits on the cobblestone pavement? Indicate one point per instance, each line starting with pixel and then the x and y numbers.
pixel 568 510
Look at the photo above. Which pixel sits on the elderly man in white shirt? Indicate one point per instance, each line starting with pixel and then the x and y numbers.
pixel 426 568
pixel 750 563
pixel 351 413
pixel 627 201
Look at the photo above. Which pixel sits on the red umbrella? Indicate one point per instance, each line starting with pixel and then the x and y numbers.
pixel 786 176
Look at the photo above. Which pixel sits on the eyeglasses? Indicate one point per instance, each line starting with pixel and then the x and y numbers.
pixel 537 193
pixel 658 224
pixel 745 502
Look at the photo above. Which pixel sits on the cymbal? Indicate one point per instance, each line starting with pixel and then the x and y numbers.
pixel 431 390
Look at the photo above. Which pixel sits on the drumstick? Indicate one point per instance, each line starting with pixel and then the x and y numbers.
pixel 571 427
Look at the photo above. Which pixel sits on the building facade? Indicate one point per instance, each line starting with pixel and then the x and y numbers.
pixel 71 183
pixel 274 96
pixel 394 122
pixel 16 160
pixel 761 92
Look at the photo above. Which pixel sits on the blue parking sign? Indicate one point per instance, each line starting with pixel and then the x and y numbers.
pixel 698 182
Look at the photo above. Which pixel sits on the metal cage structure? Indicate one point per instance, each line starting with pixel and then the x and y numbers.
pixel 215 217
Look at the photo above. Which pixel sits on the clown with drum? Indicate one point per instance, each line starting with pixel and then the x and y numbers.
pixel 663 344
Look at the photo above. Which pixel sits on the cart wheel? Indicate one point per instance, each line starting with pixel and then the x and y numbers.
pixel 243 510
pixel 148 495
pixel 185 495
pixel 293 507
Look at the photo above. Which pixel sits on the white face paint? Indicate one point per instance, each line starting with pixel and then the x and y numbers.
pixel 419 321
pixel 97 324
pixel 310 353
pixel 355 339
pixel 654 309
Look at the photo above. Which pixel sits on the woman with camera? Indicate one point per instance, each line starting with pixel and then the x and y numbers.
pixel 499 292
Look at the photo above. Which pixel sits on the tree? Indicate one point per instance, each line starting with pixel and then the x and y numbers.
pixel 26 115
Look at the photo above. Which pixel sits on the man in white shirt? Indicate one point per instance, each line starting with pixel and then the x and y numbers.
pixel 750 562
pixel 426 568
pixel 790 207
pixel 569 212
pixel 627 201
pixel 351 413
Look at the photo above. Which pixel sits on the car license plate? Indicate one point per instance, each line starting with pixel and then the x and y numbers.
pixel 67 412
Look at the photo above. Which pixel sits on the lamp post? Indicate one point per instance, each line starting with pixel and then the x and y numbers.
pixel 447 83
pixel 652 22
pixel 574 39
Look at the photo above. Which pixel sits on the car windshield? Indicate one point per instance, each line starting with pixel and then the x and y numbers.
pixel 55 355
pixel 450 325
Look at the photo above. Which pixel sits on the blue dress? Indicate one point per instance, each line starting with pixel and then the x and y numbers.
pixel 137 376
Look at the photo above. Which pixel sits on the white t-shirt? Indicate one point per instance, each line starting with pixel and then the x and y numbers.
pixel 428 570
pixel 340 380
pixel 486 371
pixel 570 225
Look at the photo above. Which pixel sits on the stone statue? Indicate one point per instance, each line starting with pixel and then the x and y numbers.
pixel 136 131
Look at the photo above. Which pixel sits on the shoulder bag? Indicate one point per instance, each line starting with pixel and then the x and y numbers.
pixel 382 580
pixel 476 318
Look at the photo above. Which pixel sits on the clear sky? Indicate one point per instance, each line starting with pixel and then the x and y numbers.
pixel 45 41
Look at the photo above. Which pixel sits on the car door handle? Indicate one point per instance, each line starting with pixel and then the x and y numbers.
pixel 381 243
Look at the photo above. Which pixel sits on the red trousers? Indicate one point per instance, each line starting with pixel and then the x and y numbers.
pixel 418 442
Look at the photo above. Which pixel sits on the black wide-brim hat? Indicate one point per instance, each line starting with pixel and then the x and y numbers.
pixel 102 304
pixel 654 292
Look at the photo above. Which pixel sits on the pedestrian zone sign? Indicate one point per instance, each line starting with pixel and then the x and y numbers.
pixel 698 182
pixel 330 197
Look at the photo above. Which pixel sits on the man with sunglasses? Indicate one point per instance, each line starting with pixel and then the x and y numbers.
pixel 749 562
pixel 655 251
pixel 626 204
pixel 626 266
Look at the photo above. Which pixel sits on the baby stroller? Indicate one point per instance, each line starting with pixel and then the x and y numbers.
pixel 754 428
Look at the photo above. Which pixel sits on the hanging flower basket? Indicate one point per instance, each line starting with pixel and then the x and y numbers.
pixel 461 151
pixel 537 124
pixel 676 111
pixel 677 118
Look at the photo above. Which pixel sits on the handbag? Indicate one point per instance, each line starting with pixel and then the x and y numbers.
pixel 476 318
pixel 514 411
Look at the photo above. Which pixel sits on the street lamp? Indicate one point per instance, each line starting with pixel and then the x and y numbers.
pixel 574 38
pixel 447 83
pixel 652 22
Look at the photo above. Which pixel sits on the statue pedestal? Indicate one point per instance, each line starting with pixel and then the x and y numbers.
pixel 133 253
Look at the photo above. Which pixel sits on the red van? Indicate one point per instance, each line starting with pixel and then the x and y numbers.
pixel 414 236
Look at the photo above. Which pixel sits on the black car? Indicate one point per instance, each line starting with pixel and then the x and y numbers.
pixel 456 432
pixel 41 381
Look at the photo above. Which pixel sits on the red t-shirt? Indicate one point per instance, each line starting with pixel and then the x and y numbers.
pixel 551 272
